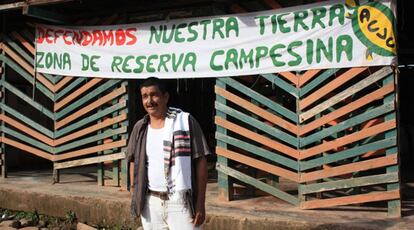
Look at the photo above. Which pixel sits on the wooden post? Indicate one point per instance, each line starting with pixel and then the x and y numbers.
pixel 394 206
pixel 3 166
pixel 123 164
pixel 225 184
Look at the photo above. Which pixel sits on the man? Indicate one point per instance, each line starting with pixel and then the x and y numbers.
pixel 169 151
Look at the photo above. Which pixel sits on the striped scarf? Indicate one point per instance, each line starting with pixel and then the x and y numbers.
pixel 177 151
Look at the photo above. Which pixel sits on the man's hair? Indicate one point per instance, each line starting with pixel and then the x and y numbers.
pixel 153 81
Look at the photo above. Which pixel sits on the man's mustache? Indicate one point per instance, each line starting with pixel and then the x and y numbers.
pixel 151 105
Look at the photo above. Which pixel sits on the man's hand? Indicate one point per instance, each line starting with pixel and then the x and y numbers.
pixel 200 215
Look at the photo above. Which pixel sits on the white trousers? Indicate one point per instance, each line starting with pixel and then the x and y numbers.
pixel 166 215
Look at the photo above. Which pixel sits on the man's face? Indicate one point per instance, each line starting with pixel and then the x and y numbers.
pixel 154 101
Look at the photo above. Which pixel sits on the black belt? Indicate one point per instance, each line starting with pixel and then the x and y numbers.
pixel 161 195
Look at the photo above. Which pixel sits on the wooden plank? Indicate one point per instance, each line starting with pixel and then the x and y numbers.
pixel 282 84
pixel 331 86
pixel 28 67
pixel 356 136
pixel 293 164
pixel 28 140
pixel 257 137
pixel 349 168
pixel 78 143
pixel 91 118
pixel 257 110
pixel 349 183
pixel 26 129
pixel 317 81
pixel 62 83
pixel 90 129
pixel 360 118
pixel 355 199
pixel 86 151
pixel 346 93
pixel 18 49
pixel 27 148
pixel 273 131
pixel 97 91
pixel 27 99
pixel 88 161
pixel 79 91
pixel 70 87
pixel 293 176
pixel 26 76
pixel 26 120
pixel 307 76
pixel 261 99
pixel 377 94
pixel 25 43
pixel 289 76
pixel 114 94
pixel 258 184
pixel 348 153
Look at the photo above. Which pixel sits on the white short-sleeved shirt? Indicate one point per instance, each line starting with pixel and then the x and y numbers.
pixel 155 157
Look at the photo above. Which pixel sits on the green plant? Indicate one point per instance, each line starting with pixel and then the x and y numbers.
pixel 70 217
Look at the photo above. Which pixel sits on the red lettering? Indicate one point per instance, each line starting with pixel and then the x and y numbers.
pixel 120 37
pixel 97 37
pixel 57 34
pixel 78 37
pixel 108 37
pixel 65 36
pixel 87 38
pixel 40 35
pixel 129 33
pixel 48 35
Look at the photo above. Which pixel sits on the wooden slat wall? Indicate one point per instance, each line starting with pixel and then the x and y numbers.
pixel 72 114
pixel 335 136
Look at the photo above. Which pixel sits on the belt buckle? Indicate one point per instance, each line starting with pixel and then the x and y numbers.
pixel 163 195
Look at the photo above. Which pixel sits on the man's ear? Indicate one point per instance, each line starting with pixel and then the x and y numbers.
pixel 167 96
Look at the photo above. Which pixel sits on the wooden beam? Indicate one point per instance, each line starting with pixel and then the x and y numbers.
pixel 88 161
pixel 62 83
pixel 86 151
pixel 23 41
pixel 50 16
pixel 307 76
pixel 257 137
pixel 114 94
pixel 355 199
pixel 275 170
pixel 377 94
pixel 349 168
pixel 257 110
pixel 27 148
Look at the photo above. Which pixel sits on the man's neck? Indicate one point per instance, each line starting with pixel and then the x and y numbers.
pixel 157 122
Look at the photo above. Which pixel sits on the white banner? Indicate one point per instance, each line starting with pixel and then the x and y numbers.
pixel 317 36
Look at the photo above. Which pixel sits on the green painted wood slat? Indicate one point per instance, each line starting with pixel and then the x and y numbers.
pixel 275 79
pixel 28 140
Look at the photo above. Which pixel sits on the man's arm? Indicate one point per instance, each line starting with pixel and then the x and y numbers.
pixel 202 176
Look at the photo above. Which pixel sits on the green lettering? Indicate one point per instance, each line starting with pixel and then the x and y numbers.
pixel 246 58
pixel 49 60
pixel 190 59
pixel 218 24
pixel 57 60
pixel 140 62
pixel 344 44
pixel 231 57
pixel 176 63
pixel 205 23
pixel 164 58
pixel 116 62
pixel 298 58
pixel 39 58
pixel 274 55
pixel 177 36
pixel 309 51
pixel 214 66
pixel 66 60
pixel 262 24
pixel 261 51
pixel 94 68
pixel 125 65
pixel 167 38
pixel 282 23
pixel 273 19
pixel 299 17
pixel 327 51
pixel 337 11
pixel 192 31
pixel 149 67
pixel 232 25
pixel 155 34
pixel 318 14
